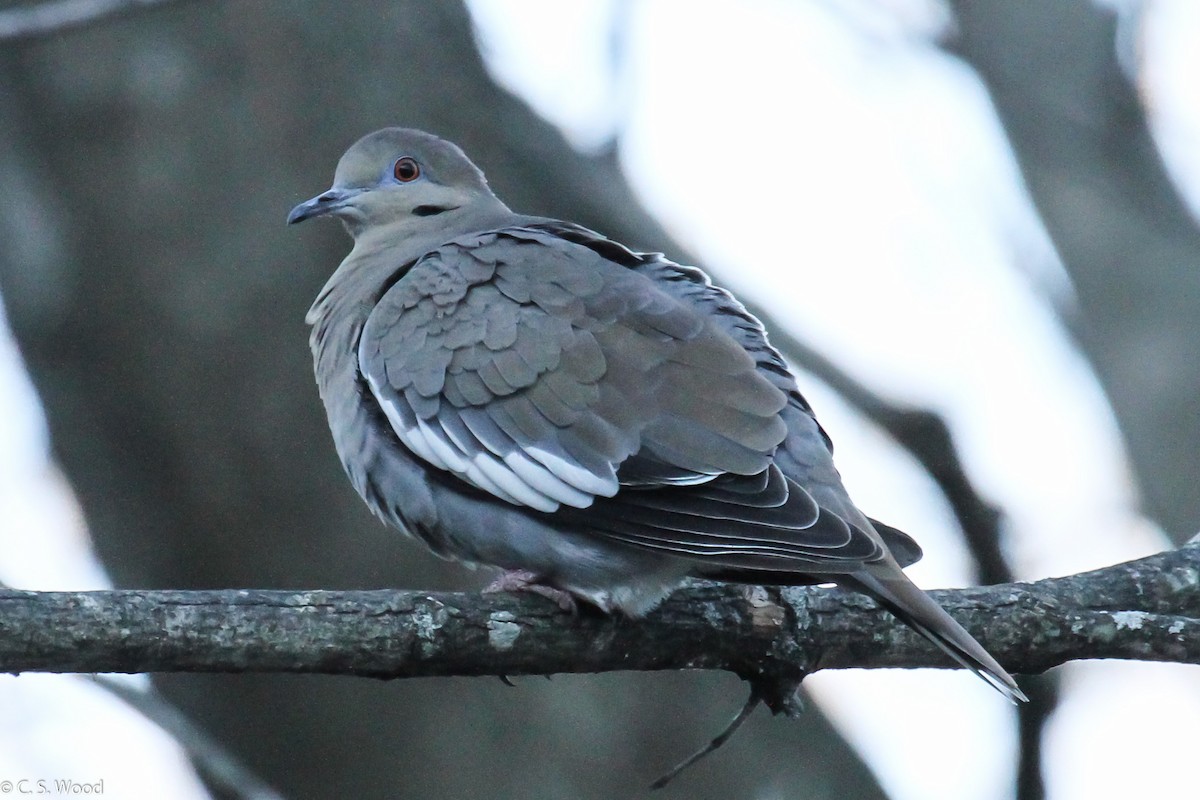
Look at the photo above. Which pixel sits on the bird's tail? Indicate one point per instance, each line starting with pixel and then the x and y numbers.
pixel 919 611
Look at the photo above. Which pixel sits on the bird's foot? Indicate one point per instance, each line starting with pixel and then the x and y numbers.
pixel 522 580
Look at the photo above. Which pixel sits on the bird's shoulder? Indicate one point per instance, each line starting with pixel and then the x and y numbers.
pixel 688 284
pixel 692 286
pixel 535 275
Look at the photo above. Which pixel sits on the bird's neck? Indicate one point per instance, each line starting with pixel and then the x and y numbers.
pixel 381 250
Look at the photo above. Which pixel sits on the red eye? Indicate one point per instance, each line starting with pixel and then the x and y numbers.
pixel 406 170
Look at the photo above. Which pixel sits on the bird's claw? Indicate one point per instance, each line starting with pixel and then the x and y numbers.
pixel 523 580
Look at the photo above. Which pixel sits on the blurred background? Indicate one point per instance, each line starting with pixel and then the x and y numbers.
pixel 986 211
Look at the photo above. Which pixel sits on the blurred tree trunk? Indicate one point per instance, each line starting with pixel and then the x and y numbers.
pixel 1130 245
pixel 159 300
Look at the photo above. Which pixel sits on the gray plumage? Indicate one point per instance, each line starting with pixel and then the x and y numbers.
pixel 524 393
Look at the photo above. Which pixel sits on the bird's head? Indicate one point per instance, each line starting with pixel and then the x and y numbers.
pixel 396 177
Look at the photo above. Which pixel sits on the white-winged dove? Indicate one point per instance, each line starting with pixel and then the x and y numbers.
pixel 524 393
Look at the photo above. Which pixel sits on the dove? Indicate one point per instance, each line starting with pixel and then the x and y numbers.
pixel 599 423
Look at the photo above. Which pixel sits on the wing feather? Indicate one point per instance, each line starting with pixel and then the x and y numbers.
pixel 538 370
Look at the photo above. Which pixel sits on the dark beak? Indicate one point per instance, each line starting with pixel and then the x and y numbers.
pixel 325 203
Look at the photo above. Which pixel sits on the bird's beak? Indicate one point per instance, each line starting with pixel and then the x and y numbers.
pixel 324 203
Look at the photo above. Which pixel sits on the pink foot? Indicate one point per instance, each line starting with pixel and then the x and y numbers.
pixel 522 580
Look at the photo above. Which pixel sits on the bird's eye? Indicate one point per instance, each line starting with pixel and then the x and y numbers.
pixel 406 170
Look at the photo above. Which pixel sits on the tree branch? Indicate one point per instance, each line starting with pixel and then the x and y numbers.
pixel 1147 610
pixel 58 16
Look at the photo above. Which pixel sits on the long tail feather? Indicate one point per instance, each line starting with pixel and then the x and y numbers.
pixel 918 610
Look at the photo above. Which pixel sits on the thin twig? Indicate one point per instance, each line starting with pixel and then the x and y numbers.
pixel 720 739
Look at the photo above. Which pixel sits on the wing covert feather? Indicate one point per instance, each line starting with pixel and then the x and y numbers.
pixel 540 372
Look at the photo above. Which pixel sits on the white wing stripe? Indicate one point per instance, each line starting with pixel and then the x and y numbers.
pixel 569 471
pixel 507 480
pixel 528 485
pixel 475 476
pixel 438 442
pixel 477 450
pixel 546 481
pixel 409 434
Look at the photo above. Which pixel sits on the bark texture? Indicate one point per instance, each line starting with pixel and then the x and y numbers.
pixel 1147 609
